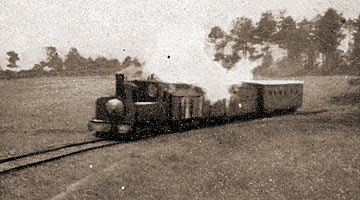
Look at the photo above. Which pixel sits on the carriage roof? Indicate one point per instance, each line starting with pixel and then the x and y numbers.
pixel 275 82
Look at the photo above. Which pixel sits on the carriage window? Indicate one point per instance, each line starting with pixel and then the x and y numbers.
pixel 270 93
pixel 280 92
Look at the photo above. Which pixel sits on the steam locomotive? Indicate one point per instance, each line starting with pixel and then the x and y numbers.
pixel 138 104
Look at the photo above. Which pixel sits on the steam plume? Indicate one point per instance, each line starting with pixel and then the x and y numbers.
pixel 181 55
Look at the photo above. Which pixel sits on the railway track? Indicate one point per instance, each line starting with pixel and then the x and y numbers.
pixel 35 158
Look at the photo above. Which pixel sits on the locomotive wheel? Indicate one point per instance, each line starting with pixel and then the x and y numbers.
pixel 165 127
pixel 292 110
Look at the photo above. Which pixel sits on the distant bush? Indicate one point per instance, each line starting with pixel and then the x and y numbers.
pixel 73 65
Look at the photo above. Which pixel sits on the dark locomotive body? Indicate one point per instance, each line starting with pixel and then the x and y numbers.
pixel 138 104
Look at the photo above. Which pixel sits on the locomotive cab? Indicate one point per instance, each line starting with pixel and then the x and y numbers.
pixel 150 103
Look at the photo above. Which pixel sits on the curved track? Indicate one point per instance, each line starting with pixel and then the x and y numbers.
pixel 35 158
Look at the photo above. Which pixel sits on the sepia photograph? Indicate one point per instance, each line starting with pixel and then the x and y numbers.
pixel 170 99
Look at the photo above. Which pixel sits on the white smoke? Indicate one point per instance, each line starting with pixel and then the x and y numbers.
pixel 181 55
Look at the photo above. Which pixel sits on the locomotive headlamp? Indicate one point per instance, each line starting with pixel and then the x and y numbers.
pixel 115 106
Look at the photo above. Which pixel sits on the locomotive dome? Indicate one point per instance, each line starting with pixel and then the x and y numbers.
pixel 115 106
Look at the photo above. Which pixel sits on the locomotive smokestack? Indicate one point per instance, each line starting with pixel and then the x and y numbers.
pixel 119 85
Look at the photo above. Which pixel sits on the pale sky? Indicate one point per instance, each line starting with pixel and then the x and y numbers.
pixel 117 28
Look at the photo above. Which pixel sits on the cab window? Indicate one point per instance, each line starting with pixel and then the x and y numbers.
pixel 146 92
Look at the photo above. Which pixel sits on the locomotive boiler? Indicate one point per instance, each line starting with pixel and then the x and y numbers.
pixel 140 104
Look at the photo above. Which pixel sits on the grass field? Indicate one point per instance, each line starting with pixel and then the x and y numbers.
pixel 41 112
pixel 312 154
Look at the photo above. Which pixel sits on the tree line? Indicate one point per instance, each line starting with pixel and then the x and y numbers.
pixel 312 46
pixel 73 64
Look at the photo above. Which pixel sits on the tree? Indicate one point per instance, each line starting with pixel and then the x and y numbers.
pixel 297 41
pixel 265 29
pixel 264 35
pixel 307 28
pixel 53 59
pixel 355 54
pixel 290 38
pixel 350 27
pixel 90 64
pixel 242 34
pixel 13 58
pixel 101 62
pixel 286 25
pixel 328 34
pixel 215 34
pixel 74 61
pixel 40 66
pixel 267 59
pixel 222 41
pixel 114 63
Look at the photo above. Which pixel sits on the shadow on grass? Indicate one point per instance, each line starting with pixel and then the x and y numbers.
pixel 354 82
pixel 306 113
pixel 351 98
pixel 174 127
pixel 183 126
